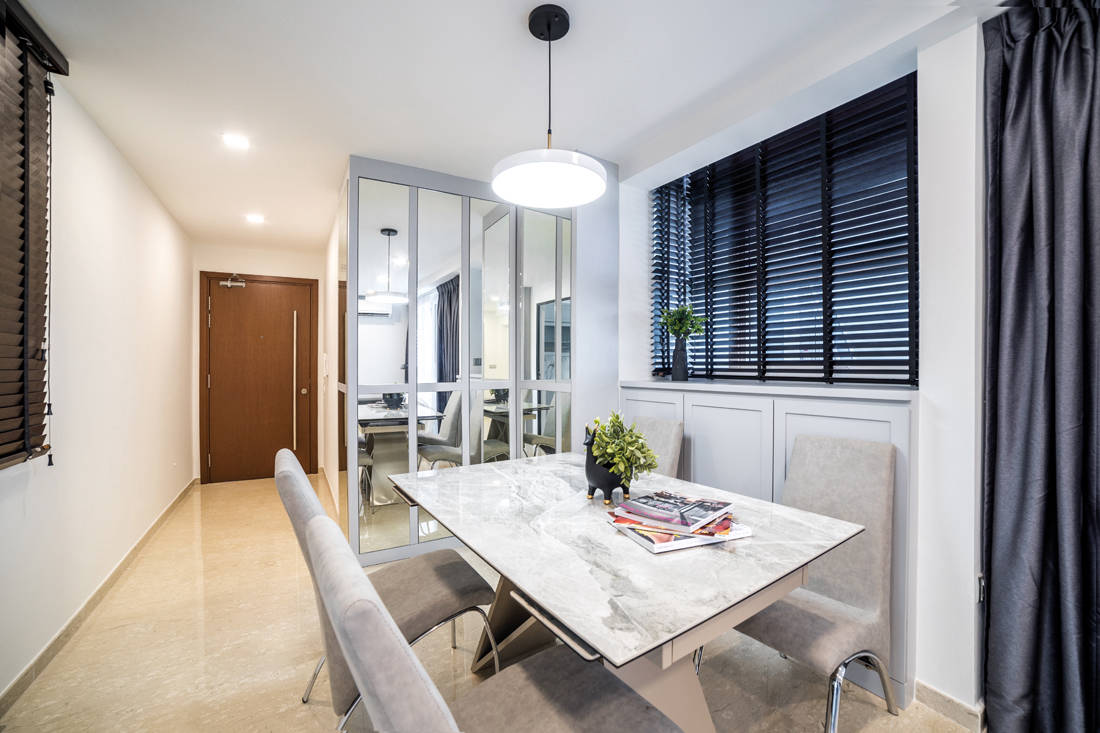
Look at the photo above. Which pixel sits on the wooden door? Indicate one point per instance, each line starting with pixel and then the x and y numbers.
pixel 258 362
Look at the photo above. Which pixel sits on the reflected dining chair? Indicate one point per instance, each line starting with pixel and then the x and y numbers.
pixel 421 593
pixel 842 614
pixel 552 692
pixel 664 438
pixel 433 447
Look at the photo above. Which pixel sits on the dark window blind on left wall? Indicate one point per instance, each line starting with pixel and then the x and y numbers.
pixel 25 92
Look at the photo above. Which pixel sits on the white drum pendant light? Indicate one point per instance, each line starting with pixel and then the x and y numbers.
pixel 389 295
pixel 549 178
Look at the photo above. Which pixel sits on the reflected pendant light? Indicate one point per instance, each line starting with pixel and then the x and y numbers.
pixel 549 178
pixel 388 295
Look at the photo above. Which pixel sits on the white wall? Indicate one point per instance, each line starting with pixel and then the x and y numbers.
pixel 222 257
pixel 595 328
pixel 329 343
pixel 120 384
pixel 949 145
pixel 635 290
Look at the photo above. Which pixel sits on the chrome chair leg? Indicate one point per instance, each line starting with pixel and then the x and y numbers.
pixel 313 679
pixel 836 685
pixel 344 720
pixel 454 634
pixel 832 704
pixel 884 678
pixel 488 632
pixel 697 657
pixel 492 639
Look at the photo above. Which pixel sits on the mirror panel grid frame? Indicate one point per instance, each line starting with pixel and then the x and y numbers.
pixel 461 354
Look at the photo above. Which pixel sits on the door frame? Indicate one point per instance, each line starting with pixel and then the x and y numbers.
pixel 208 280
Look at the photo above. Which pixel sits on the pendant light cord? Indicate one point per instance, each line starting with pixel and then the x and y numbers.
pixel 549 79
pixel 389 241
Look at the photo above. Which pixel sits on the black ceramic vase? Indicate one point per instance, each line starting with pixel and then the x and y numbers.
pixel 599 477
pixel 680 360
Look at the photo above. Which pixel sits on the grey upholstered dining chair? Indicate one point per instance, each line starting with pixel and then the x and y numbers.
pixel 421 593
pixel 433 447
pixel 842 614
pixel 553 691
pixel 664 438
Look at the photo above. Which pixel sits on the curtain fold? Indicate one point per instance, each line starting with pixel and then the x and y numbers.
pixel 447 335
pixel 1042 356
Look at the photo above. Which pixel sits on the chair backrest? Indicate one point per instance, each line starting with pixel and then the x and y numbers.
pixel 452 419
pixel 851 480
pixel 664 438
pixel 397 693
pixel 302 505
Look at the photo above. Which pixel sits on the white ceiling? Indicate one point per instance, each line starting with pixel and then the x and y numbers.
pixel 434 83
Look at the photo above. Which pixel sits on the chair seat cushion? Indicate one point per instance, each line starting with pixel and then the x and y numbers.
pixel 423 439
pixel 557 692
pixel 423 590
pixel 431 452
pixel 817 630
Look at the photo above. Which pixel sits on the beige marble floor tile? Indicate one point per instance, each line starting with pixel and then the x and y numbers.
pixel 213 627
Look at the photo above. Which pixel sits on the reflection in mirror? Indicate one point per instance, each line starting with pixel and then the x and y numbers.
pixel 490 432
pixel 438 445
pixel 383 450
pixel 438 262
pixel 542 410
pixel 383 282
pixel 490 279
pixel 340 319
pixel 566 319
pixel 439 435
pixel 537 295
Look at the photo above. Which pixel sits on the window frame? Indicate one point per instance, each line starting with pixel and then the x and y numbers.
pixel 717 246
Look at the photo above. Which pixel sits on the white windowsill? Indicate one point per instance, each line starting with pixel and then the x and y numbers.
pixel 779 389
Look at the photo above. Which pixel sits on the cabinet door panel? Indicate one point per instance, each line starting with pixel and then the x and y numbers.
pixel 729 443
pixel 635 403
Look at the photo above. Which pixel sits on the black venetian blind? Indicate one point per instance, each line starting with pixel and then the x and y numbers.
pixel 801 251
pixel 26 57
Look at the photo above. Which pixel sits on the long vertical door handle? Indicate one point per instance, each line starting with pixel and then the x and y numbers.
pixel 294 387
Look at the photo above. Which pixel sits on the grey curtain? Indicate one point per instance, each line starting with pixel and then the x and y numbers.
pixel 1042 384
pixel 446 325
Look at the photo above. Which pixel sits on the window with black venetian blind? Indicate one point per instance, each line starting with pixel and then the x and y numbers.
pixel 801 251
pixel 26 59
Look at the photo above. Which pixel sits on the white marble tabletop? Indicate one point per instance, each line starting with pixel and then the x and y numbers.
pixel 378 412
pixel 530 520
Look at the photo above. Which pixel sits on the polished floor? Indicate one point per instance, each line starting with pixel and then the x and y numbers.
pixel 213 627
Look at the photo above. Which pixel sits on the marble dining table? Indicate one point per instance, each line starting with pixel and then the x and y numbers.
pixel 566 573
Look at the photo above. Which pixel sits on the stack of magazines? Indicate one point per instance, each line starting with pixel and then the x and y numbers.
pixel 664 521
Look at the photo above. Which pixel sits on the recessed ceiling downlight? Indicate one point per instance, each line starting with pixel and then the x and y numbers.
pixel 254 218
pixel 235 141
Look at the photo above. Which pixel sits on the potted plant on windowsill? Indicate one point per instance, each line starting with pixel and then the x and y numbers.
pixel 616 455
pixel 681 322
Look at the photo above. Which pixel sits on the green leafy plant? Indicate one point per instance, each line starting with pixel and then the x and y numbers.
pixel 621 450
pixel 681 321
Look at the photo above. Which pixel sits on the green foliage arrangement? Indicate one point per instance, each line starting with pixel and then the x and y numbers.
pixel 622 450
pixel 681 321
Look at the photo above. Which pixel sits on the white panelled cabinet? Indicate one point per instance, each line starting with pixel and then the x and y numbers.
pixel 739 437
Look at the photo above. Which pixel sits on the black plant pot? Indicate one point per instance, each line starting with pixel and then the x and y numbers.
pixel 393 400
pixel 599 477
pixel 680 360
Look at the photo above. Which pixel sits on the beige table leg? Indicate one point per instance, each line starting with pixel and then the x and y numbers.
pixel 518 634
pixel 674 690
